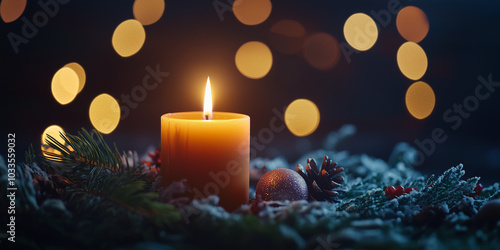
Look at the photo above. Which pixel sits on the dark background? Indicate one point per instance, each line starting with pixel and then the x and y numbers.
pixel 191 42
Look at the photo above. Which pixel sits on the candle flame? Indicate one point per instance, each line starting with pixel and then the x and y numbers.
pixel 207 108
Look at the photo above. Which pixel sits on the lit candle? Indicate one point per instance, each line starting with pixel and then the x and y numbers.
pixel 211 150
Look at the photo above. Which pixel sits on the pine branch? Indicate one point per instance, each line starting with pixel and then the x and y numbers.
pixel 418 183
pixel 365 203
pixel 489 193
pixel 109 194
pixel 447 188
pixel 102 180
pixel 86 149
pixel 29 156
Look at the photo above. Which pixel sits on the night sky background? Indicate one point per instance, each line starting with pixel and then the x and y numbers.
pixel 191 42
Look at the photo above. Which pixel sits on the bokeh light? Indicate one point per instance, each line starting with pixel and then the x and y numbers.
pixel 148 11
pixel 252 12
pixel 80 72
pixel 104 113
pixel 128 38
pixel 65 84
pixel 11 10
pixel 287 36
pixel 360 31
pixel 54 131
pixel 412 60
pixel 420 100
pixel 322 51
pixel 302 117
pixel 412 24
pixel 254 59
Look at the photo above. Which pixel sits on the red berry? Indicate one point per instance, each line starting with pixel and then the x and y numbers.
pixel 399 191
pixel 408 190
pixel 479 188
pixel 390 191
pixel 477 191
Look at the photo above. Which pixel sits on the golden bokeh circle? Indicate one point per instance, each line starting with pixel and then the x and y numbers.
pixel 412 60
pixel 104 113
pixel 128 38
pixel 420 100
pixel 65 84
pixel 412 24
pixel 252 12
pixel 148 11
pixel 254 59
pixel 302 117
pixel 11 10
pixel 54 131
pixel 80 72
pixel 360 31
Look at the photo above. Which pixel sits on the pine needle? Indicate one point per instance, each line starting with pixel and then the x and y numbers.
pixel 85 149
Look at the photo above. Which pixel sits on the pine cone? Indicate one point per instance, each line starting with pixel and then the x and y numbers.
pixel 323 184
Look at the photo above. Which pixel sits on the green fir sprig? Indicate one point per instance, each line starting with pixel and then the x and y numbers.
pixel 105 194
pixel 447 188
pixel 86 149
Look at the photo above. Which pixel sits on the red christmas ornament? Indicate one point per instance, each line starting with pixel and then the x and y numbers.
pixel 282 184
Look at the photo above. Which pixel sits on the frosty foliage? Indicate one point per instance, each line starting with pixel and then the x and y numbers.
pixel 366 217
pixel 97 197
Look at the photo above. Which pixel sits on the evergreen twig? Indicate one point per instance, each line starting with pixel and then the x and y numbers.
pixel 111 193
pixel 86 149
pixel 447 188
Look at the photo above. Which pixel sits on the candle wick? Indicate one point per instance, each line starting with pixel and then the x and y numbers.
pixel 207 117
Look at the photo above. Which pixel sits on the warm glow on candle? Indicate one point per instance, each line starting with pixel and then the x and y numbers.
pixel 210 150
pixel 207 108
